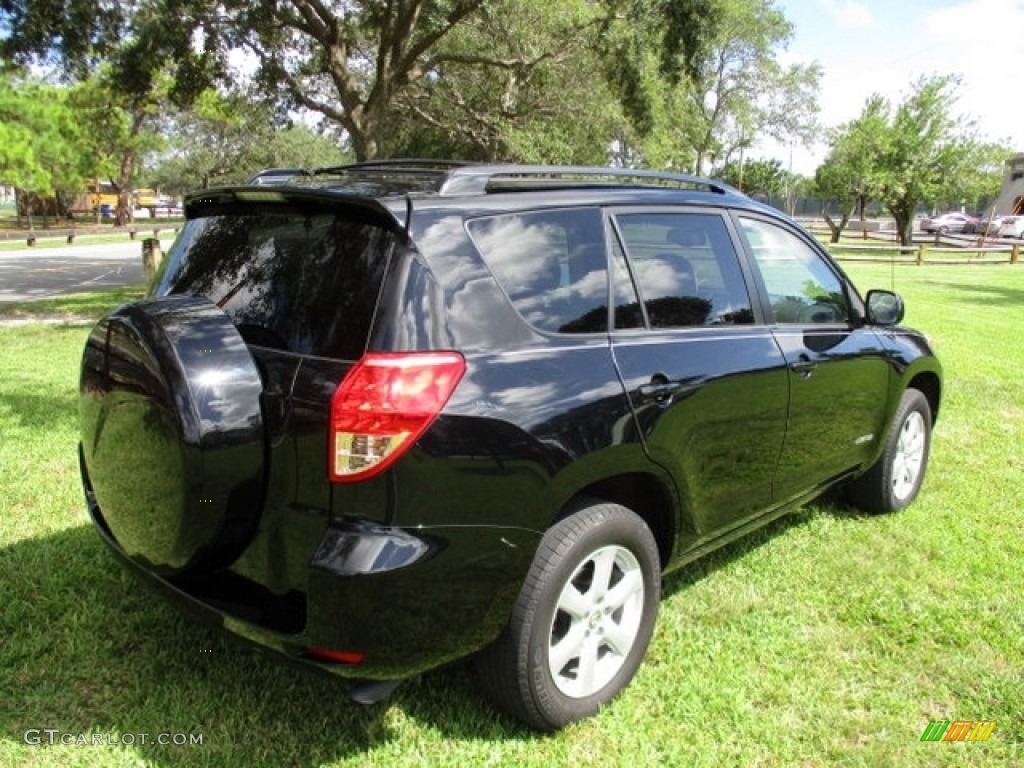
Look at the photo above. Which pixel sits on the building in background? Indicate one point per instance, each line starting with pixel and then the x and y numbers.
pixel 1011 198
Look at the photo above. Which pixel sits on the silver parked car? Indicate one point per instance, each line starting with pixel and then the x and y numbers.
pixel 949 222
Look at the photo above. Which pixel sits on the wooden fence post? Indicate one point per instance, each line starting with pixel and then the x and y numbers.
pixel 922 252
pixel 151 256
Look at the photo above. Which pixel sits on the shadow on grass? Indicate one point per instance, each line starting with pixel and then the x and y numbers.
pixel 85 308
pixel 87 649
pixel 37 411
pixel 991 295
pixel 831 504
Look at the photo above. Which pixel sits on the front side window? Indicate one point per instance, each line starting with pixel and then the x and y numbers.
pixel 801 287
pixel 686 269
pixel 551 264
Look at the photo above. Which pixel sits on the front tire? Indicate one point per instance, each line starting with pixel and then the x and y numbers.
pixel 582 622
pixel 895 479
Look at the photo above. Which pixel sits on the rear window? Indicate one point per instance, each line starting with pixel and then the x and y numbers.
pixel 302 281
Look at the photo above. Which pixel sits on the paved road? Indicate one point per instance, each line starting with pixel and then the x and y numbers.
pixel 39 273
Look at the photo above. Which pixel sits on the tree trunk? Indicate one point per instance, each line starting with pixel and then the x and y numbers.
pixel 904 224
pixel 126 170
pixel 836 229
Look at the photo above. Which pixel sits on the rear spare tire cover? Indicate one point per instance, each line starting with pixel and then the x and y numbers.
pixel 172 433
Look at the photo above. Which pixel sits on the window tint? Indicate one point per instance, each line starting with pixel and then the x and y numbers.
pixel 686 269
pixel 802 288
pixel 305 282
pixel 552 265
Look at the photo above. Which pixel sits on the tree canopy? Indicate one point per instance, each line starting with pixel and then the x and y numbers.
pixel 677 85
pixel 477 78
pixel 916 152
pixel 44 147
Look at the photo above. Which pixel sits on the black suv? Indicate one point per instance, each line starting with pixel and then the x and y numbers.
pixel 385 416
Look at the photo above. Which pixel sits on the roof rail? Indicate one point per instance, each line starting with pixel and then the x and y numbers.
pixel 401 165
pixel 384 177
pixel 477 179
pixel 452 178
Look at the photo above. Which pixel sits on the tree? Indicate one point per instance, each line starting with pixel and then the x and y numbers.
pixel 42 140
pixel 543 96
pixel 735 91
pixel 121 128
pixel 756 177
pixel 849 177
pixel 75 35
pixel 741 93
pixel 926 152
pixel 347 64
pixel 353 62
pixel 650 47
pixel 982 179
pixel 916 152
pixel 225 138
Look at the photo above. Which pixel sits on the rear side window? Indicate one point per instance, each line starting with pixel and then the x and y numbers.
pixel 551 264
pixel 685 268
pixel 306 282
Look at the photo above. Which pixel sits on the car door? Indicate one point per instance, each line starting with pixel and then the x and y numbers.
pixel 708 385
pixel 838 372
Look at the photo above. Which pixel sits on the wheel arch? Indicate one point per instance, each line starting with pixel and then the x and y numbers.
pixel 643 494
pixel 927 382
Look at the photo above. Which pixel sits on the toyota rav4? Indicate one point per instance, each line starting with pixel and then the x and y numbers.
pixel 384 416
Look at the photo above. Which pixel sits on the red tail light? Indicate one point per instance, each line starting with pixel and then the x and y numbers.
pixel 383 405
pixel 335 657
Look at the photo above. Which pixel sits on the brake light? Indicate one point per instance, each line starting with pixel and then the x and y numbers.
pixel 335 657
pixel 383 405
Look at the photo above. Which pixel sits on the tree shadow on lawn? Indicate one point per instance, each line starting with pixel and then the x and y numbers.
pixel 988 295
pixel 88 649
pixel 40 412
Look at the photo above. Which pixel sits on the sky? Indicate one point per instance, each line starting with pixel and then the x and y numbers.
pixel 884 46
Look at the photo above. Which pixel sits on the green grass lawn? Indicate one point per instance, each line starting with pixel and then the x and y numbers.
pixel 829 638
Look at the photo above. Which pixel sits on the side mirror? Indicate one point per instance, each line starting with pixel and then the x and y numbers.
pixel 884 308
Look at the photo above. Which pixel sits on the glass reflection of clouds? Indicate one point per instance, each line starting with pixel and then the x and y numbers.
pixel 551 264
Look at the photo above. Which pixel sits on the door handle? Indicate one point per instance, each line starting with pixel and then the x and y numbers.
pixel 804 366
pixel 665 391
pixel 659 389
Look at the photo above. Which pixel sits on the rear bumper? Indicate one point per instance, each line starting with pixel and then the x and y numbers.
pixel 404 600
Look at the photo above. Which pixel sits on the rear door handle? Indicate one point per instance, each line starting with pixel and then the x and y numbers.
pixel 664 391
pixel 804 366
pixel 657 391
pixel 659 388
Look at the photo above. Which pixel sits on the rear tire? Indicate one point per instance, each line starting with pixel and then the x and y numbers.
pixel 582 622
pixel 895 479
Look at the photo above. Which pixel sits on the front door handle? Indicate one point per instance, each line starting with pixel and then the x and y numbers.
pixel 804 366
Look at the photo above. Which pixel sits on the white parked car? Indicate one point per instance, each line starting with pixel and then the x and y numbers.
pixel 1012 226
pixel 990 226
